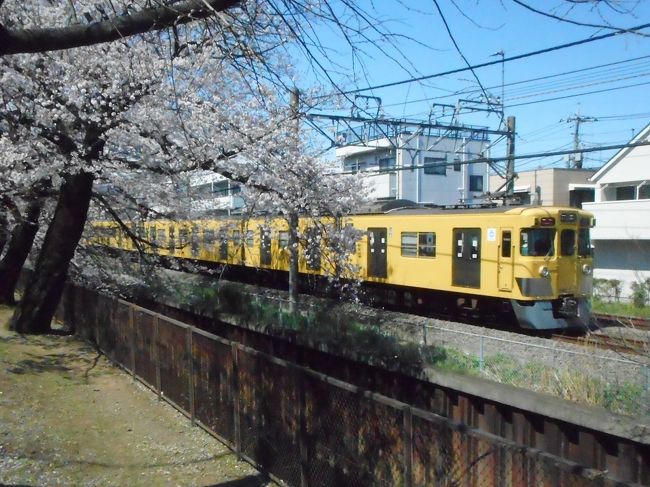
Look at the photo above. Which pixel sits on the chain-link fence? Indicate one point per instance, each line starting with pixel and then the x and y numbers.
pixel 301 426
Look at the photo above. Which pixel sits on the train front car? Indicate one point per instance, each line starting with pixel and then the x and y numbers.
pixel 552 268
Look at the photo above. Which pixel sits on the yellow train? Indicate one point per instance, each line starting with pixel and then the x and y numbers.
pixel 531 264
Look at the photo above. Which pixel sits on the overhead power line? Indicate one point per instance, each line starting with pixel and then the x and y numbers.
pixel 499 61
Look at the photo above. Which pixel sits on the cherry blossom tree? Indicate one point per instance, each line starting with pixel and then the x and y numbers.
pixel 165 103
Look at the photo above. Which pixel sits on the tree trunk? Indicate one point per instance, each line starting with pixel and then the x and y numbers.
pixel 22 238
pixel 293 262
pixel 44 288
pixel 4 231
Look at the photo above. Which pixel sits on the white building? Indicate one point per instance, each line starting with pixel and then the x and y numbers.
pixel 212 193
pixel 421 168
pixel 622 210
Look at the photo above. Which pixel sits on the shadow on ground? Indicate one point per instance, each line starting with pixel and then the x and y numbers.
pixel 250 481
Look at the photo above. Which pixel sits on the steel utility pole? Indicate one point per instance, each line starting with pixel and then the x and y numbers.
pixel 293 217
pixel 575 159
pixel 510 163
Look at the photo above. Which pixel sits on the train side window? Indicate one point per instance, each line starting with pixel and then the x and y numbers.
pixel 236 238
pixel 250 238
pixel 160 236
pixel 183 237
pixel 584 243
pixel 567 242
pixel 409 244
pixel 208 237
pixel 283 240
pixel 172 241
pixel 427 244
pixel 537 242
pixel 506 244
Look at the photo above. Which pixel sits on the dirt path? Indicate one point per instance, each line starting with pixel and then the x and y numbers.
pixel 68 417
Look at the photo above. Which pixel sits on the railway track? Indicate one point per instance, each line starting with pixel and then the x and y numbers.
pixel 607 342
pixel 604 320
pixel 614 342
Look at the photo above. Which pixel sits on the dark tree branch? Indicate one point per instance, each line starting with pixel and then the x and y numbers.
pixel 57 38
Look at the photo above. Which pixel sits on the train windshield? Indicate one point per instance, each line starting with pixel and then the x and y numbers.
pixel 584 243
pixel 537 242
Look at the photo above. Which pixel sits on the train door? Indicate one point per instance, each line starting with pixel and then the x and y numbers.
pixel 377 246
pixel 567 264
pixel 194 241
pixel 466 262
pixel 265 246
pixel 505 267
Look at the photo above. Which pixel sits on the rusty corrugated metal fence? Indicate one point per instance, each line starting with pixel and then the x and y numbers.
pixel 303 427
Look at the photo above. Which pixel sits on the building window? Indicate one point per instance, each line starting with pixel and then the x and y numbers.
pixel 476 183
pixel 435 165
pixel 644 192
pixel 624 193
pixel 220 188
pixel 457 164
pixel 386 163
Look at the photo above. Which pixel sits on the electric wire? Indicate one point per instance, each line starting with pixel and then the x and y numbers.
pixel 504 60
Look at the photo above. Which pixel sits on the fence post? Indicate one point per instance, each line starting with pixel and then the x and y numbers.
pixel 481 359
pixel 424 333
pixel 156 349
pixel 132 328
pixel 646 387
pixel 408 446
pixel 302 430
pixel 190 379
pixel 234 383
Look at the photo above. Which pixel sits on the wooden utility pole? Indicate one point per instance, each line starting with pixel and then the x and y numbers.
pixel 293 218
pixel 510 165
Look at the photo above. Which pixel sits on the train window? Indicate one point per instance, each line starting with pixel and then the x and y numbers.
pixel 160 236
pixel 584 243
pixel 409 244
pixel 208 237
pixel 172 241
pixel 537 242
pixel 183 237
pixel 506 243
pixel 236 238
pixel 250 237
pixel 283 240
pixel 152 235
pixel 567 242
pixel 427 244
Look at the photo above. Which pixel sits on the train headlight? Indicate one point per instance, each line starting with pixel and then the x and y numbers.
pixel 543 271
pixel 587 270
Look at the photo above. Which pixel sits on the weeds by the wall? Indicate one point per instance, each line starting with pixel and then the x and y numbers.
pixel 336 331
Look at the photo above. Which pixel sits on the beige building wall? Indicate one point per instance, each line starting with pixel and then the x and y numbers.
pixel 553 184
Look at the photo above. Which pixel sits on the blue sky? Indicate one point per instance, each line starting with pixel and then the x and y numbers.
pixel 484 27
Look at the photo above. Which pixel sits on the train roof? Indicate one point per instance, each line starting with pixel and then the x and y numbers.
pixel 405 207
